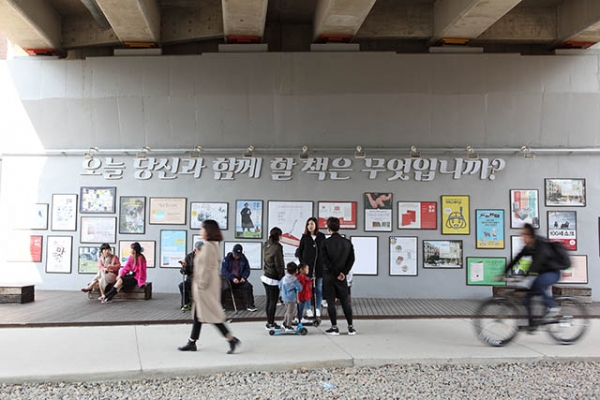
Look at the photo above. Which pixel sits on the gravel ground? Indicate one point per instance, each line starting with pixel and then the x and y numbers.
pixel 542 380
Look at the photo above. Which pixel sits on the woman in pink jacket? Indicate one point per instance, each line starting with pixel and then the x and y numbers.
pixel 133 273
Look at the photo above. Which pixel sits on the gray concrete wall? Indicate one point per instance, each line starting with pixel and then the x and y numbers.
pixel 326 101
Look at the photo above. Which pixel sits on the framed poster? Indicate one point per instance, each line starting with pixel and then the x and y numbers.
pixel 98 230
pixel 252 251
pixel 64 212
pixel 366 254
pixel 88 259
pixel 524 208
pixel 172 248
pixel 455 215
pixel 167 210
pixel 378 212
pixel 565 192
pixel 417 215
pixel 23 247
pixel 489 229
pixel 59 254
pixel 344 210
pixel 132 215
pixel 32 217
pixel 198 238
pixel 200 211
pixel 98 200
pixel 443 254
pixel 403 256
pixel 482 271
pixel 148 250
pixel 577 273
pixel 248 219
pixel 562 227
pixel 516 245
pixel 290 217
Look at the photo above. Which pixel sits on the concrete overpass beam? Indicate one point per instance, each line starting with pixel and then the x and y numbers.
pixel 190 24
pixel 244 18
pixel 32 24
pixel 393 20
pixel 133 20
pixel 578 20
pixel 340 18
pixel 524 24
pixel 467 19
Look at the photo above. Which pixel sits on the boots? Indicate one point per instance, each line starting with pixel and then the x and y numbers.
pixel 233 343
pixel 189 346
pixel 109 295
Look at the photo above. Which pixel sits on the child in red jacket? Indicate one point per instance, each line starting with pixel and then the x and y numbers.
pixel 305 296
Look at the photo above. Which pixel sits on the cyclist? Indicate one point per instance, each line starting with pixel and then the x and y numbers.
pixel 544 264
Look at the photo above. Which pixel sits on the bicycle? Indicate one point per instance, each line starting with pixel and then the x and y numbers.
pixel 499 319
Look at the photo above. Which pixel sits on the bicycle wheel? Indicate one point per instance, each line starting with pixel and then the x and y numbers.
pixel 571 323
pixel 496 321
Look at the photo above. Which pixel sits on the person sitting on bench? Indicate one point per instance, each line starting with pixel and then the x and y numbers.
pixel 236 269
pixel 108 268
pixel 187 270
pixel 133 273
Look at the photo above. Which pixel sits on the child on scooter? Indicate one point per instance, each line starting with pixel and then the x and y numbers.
pixel 289 288
pixel 305 296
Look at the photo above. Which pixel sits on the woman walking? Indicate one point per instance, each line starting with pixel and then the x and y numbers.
pixel 206 288
pixel 309 252
pixel 274 271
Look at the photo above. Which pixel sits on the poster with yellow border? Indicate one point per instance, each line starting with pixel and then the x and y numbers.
pixel 455 215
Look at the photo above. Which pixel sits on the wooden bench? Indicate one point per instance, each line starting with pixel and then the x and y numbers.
pixel 240 299
pixel 134 293
pixel 17 294
pixel 581 293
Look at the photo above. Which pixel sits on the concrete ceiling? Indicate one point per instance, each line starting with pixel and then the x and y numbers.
pixel 78 28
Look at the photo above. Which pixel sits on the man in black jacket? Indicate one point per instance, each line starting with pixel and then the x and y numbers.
pixel 338 259
pixel 187 270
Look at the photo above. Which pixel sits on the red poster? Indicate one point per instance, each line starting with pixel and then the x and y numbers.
pixel 428 215
pixel 35 248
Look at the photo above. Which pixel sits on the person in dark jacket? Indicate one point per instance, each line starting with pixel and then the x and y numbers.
pixel 187 270
pixel 309 253
pixel 274 271
pixel 543 264
pixel 236 268
pixel 338 259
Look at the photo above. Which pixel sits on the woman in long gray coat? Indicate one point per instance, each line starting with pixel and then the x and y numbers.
pixel 206 288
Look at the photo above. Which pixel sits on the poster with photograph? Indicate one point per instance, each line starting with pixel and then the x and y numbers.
pixel 248 219
pixel 484 271
pixel 64 212
pixel 167 210
pixel 88 259
pixel 378 211
pixel 172 248
pixel 345 211
pixel 455 215
pixel 489 229
pixel 148 250
pixel 290 217
pixel 524 208
pixel 577 272
pixel 98 200
pixel 132 215
pixel 417 215
pixel 403 256
pixel 565 192
pixel 562 227
pixel 58 254
pixel 523 265
pixel 252 251
pixel 201 211
pixel 443 254
pixel 98 229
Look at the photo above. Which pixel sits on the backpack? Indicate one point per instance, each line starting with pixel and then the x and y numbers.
pixel 561 257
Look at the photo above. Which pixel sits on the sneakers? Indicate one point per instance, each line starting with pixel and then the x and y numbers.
pixel 288 328
pixel 270 327
pixel 351 331
pixel 309 313
pixel 318 312
pixel 324 303
pixel 252 309
pixel 189 346
pixel 233 343
pixel 186 307
pixel 333 331
pixel 295 321
pixel 304 321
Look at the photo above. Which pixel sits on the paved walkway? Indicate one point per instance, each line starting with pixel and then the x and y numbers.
pixel 98 353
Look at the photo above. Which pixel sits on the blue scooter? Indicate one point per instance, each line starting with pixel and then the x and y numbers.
pixel 300 330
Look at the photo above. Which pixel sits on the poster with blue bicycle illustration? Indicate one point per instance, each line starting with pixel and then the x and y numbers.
pixel 489 226
pixel 455 215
